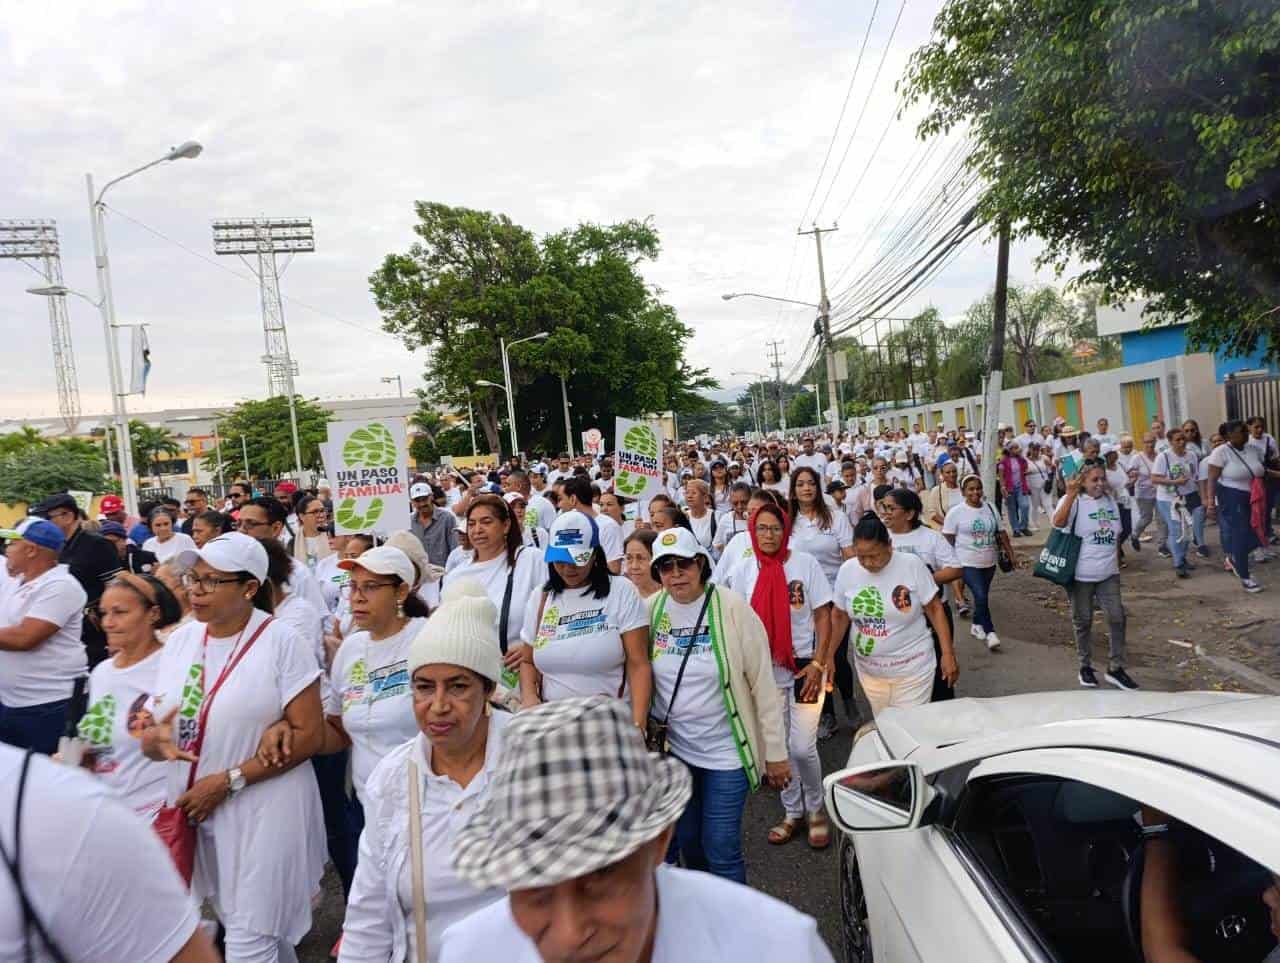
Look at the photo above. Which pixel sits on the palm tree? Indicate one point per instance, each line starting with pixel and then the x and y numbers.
pixel 149 443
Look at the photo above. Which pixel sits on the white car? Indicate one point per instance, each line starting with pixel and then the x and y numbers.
pixel 1011 829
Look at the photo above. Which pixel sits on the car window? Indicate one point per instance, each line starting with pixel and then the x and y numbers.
pixel 1071 858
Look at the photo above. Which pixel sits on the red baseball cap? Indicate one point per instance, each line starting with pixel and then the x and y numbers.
pixel 111 504
pixel 286 488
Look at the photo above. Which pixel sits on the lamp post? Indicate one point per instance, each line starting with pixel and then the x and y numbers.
pixel 399 387
pixel 97 221
pixel 471 422
pixel 568 428
pixel 506 376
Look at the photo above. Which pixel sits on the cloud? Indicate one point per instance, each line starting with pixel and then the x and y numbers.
pixel 712 118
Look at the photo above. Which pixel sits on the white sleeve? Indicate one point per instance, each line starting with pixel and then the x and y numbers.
pixel 947 555
pixel 611 541
pixel 818 587
pixel 333 692
pixel 632 613
pixel 925 585
pixel 366 931
pixel 295 665
pixel 840 593
pixel 949 523
pixel 122 874
pixel 57 601
pixel 529 621
pixel 841 529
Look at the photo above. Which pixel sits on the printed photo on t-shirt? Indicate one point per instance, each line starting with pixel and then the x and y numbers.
pixel 795 591
pixel 902 598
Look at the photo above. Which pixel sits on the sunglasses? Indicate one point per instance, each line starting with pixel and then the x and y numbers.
pixel 670 564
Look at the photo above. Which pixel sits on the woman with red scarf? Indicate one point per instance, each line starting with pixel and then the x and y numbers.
pixel 790 593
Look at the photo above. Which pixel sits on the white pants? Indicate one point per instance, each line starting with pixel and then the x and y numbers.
pixel 903 690
pixel 245 947
pixel 803 794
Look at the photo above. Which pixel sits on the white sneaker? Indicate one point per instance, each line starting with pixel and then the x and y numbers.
pixel 993 641
pixel 977 631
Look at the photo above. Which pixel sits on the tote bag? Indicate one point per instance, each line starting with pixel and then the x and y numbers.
pixel 1061 553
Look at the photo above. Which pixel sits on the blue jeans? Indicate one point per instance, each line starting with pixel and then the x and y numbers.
pixel 978 582
pixel 34 727
pixel 1019 505
pixel 1238 538
pixel 709 831
pixel 343 817
pixel 1176 547
pixel 1197 524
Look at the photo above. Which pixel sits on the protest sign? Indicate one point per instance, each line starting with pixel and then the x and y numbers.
pixel 366 465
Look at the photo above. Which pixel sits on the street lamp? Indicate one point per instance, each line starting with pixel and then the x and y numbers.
pixel 396 378
pixel 97 221
pixel 766 297
pixel 506 376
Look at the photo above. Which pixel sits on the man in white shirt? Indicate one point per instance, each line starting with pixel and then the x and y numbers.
pixel 97 881
pixel 697 496
pixel 1103 435
pixel 538 512
pixel 1028 435
pixel 580 766
pixel 41 654
pixel 808 458
pixel 579 496
pixel 263 517
pixel 563 469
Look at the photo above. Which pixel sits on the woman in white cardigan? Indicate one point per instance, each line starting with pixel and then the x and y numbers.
pixel 454 665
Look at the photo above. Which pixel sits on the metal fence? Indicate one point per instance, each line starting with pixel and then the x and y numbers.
pixel 1254 394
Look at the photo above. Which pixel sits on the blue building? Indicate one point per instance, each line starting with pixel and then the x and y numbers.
pixel 1167 341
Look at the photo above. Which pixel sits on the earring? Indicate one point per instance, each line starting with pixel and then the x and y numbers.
pixel 399 609
pixel 488 708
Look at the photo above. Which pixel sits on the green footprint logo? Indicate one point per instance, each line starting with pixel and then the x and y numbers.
pixel 96 724
pixel 641 439
pixel 347 516
pixel 359 674
pixel 868 604
pixel 370 447
pixel 192 692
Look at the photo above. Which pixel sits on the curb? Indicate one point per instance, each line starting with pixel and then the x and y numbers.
pixel 1242 672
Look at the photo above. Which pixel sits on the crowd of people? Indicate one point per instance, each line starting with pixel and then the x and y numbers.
pixel 514 726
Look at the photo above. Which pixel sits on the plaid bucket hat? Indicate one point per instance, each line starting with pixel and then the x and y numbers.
pixel 574 790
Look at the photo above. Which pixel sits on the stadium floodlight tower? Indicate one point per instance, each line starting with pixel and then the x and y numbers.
pixel 266 237
pixel 35 244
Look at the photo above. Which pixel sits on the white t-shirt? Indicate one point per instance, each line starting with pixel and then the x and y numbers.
pixel 276 826
pixel 1239 466
pixel 817 461
pixel 889 632
pixel 98 878
pixel 1264 446
pixel 975 531
pixel 727 526
pixel 1118 482
pixel 825 545
pixel 701 918
pixel 119 710
pixel 1182 468
pixel 578 644
pixel 535 537
pixel 370 692
pixel 808 589
pixel 1142 487
pixel 699 725
pixel 1097 522
pixel 931 547
pixel 163 551
pixel 539 512
pixel 47 672
pixel 610 537
pixel 739 547
pixel 330 578
pixel 529 574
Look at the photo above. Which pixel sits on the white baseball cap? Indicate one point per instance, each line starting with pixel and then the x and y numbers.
pixel 679 542
pixel 513 497
pixel 420 490
pixel 231 552
pixel 574 537
pixel 384 560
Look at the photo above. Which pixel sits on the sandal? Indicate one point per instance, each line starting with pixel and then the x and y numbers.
pixel 819 831
pixel 783 832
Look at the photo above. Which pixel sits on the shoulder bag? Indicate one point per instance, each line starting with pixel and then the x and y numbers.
pixel 175 830
pixel 1003 558
pixel 415 864
pixel 655 732
pixel 1257 499
pixel 1061 553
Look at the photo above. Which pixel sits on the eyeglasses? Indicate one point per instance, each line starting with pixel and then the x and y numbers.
pixel 363 589
pixel 768 529
pixel 206 583
pixel 316 511
pixel 248 524
pixel 671 563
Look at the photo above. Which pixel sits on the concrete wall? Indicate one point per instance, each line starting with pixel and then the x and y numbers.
pixel 1188 389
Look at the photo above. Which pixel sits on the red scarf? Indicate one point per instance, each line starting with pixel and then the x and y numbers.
pixel 770 599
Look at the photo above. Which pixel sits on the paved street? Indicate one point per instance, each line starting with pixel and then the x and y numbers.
pixel 1234 631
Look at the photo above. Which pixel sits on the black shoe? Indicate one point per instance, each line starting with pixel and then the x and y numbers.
pixel 1088 678
pixel 1182 571
pixel 1165 553
pixel 1026 533
pixel 1120 679
pixel 1137 547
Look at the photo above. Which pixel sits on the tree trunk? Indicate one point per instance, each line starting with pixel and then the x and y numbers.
pixel 487 417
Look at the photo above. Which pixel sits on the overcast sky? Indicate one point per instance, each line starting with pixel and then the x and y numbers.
pixel 711 118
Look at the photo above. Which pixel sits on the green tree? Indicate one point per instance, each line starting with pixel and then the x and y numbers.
pixel 150 444
pixel 23 439
pixel 269 437
pixel 802 410
pixel 473 277
pixel 40 470
pixel 1142 138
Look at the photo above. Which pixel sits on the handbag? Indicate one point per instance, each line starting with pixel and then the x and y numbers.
pixel 1003 558
pixel 1061 554
pixel 171 824
pixel 655 732
pixel 415 863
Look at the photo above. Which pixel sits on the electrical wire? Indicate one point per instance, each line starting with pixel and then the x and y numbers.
pixel 835 133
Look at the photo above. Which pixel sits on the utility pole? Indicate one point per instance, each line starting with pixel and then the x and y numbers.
pixel 777 378
pixel 995 365
pixel 824 316
pixel 568 428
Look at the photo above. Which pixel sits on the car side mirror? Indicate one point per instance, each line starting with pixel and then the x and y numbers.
pixel 876 797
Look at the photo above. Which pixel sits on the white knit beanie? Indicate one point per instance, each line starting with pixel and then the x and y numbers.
pixel 462 631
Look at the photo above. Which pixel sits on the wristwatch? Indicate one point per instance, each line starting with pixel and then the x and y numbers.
pixel 235 780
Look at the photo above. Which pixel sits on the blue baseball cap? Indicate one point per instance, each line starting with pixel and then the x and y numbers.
pixel 574 536
pixel 37 531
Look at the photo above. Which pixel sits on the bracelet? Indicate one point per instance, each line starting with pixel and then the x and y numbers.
pixel 822 668
pixel 1151 832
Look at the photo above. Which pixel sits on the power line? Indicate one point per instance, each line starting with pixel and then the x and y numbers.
pixel 862 113
pixel 840 119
